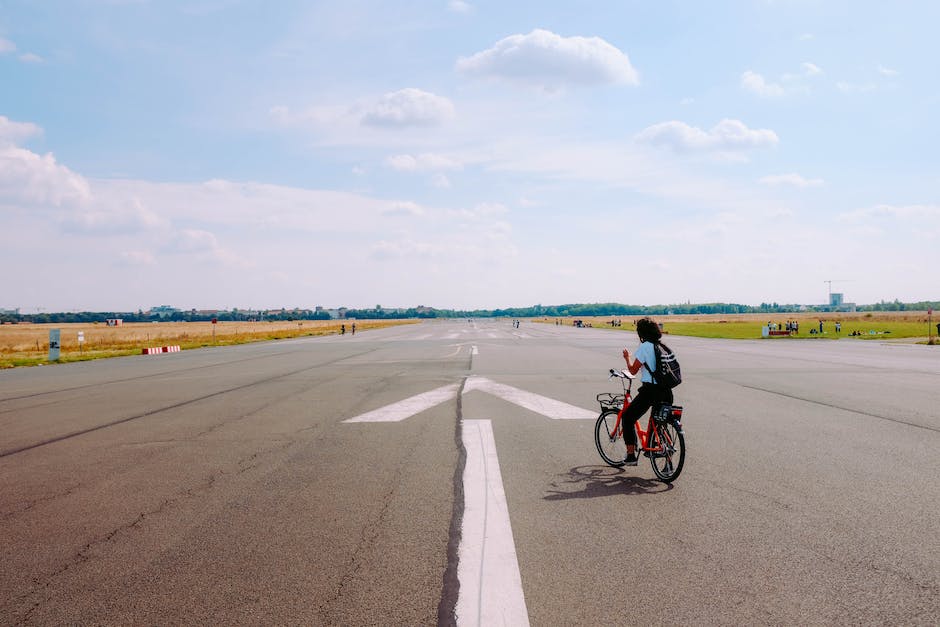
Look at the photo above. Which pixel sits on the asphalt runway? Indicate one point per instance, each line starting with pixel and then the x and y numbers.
pixel 235 486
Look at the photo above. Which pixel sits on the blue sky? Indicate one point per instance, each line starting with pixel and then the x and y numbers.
pixel 225 153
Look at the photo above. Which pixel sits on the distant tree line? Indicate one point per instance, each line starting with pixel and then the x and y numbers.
pixel 176 316
pixel 899 306
pixel 378 313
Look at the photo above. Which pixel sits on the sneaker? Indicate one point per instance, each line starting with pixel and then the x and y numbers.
pixel 631 460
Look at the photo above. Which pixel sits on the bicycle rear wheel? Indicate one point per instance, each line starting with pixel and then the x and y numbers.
pixel 610 445
pixel 668 464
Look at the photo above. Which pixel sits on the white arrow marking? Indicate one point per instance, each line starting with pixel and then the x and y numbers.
pixel 490 583
pixel 474 350
pixel 556 410
pixel 407 408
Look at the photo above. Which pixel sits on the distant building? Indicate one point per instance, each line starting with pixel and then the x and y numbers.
pixel 837 303
pixel 10 312
pixel 163 311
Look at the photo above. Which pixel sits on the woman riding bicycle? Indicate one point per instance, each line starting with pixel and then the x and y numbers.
pixel 650 393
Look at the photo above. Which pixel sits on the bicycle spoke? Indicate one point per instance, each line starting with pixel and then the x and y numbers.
pixel 609 439
pixel 668 460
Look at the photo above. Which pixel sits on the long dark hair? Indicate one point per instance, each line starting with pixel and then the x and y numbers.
pixel 648 330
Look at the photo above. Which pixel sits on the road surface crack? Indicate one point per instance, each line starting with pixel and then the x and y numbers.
pixel 86 553
pixel 367 539
pixel 30 504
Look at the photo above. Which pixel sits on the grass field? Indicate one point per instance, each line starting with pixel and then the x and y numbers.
pixel 28 344
pixel 907 326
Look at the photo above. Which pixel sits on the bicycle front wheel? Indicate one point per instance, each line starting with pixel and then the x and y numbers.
pixel 609 441
pixel 667 463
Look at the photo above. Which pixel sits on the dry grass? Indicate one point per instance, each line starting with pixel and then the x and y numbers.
pixel 28 344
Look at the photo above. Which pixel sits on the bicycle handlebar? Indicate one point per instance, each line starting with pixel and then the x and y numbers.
pixel 623 374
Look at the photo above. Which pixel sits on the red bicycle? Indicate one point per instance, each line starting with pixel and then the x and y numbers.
pixel 663 441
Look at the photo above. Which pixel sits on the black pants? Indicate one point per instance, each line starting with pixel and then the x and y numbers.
pixel 648 396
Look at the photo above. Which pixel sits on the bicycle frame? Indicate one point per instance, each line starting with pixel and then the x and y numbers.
pixel 643 437
pixel 662 441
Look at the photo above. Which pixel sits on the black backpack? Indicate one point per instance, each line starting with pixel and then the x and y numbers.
pixel 668 373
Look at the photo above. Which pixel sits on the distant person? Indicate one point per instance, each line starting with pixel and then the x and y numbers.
pixel 838 327
pixel 353 328
pixel 342 329
pixel 650 393
pixel 820 326
pixel 938 328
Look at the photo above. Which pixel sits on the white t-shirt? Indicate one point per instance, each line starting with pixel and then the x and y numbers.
pixel 646 354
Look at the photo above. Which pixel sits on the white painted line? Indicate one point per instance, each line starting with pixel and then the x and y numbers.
pixel 556 410
pixel 456 350
pixel 474 350
pixel 407 408
pixel 490 583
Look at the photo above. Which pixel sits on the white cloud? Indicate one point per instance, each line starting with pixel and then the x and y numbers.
pixel 37 180
pixel 885 71
pixel 458 6
pixel 452 240
pixel 754 82
pixel 131 217
pixel 791 179
pixel 926 213
pixel 137 258
pixel 15 132
pixel 481 211
pixel 811 69
pixel 726 136
pixel 317 116
pixel 440 181
pixel 797 82
pixel 408 107
pixel 203 246
pixel 188 241
pixel 386 249
pixel 426 162
pixel 404 208
pixel 542 57
pixel 855 88
pixel 8 47
pixel 527 203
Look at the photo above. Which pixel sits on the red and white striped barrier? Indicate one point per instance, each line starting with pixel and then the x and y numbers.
pixel 161 349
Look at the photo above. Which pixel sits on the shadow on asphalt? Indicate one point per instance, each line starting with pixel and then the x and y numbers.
pixel 589 482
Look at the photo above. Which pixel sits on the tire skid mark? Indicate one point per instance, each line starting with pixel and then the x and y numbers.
pixel 136 378
pixel 152 412
pixel 847 409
